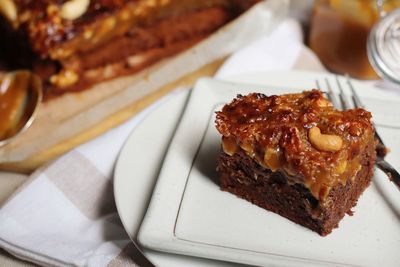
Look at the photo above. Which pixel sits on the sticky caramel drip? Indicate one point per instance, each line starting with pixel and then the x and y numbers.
pixel 320 185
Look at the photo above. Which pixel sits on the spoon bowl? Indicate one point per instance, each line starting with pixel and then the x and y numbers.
pixel 21 93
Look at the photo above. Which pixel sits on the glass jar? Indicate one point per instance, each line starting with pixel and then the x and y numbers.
pixel 383 46
pixel 339 33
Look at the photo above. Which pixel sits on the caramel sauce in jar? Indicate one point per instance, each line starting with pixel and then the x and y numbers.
pixel 339 32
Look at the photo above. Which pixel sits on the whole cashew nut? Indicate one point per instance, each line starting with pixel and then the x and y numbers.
pixel 73 9
pixel 8 9
pixel 324 142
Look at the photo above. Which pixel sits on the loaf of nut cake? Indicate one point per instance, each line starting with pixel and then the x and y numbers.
pixel 74 44
pixel 296 155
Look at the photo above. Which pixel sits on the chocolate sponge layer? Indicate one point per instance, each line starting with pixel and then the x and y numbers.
pixel 273 191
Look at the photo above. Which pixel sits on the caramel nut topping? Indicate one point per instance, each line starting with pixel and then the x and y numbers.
pixel 73 9
pixel 64 78
pixel 281 135
pixel 324 142
pixel 355 129
pixel 63 25
pixel 341 168
pixel 8 10
pixel 271 159
pixel 322 103
pixel 229 145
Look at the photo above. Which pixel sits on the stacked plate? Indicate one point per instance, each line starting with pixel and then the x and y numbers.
pixel 167 193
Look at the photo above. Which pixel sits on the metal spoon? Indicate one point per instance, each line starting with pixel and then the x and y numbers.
pixel 21 93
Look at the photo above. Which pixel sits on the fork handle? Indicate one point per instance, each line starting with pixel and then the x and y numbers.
pixel 388 169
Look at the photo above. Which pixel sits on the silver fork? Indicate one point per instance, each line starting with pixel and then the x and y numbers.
pixel 381 163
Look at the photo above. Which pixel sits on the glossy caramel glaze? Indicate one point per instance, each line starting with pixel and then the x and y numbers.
pixel 274 131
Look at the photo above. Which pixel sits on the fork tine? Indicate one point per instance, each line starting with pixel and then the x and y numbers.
pixel 327 94
pixel 342 96
pixel 356 98
pixel 359 104
pixel 317 85
pixel 331 95
pixel 381 163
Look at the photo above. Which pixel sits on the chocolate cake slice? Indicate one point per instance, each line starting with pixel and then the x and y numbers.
pixel 73 44
pixel 296 155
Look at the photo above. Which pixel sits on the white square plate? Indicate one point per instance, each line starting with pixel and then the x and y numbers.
pixel 190 215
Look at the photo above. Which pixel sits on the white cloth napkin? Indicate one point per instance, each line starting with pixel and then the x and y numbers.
pixel 65 214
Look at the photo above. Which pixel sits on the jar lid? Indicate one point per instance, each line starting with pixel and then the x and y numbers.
pixel 383 46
